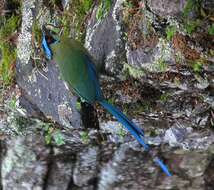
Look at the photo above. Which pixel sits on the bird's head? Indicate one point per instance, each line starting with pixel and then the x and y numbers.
pixel 50 35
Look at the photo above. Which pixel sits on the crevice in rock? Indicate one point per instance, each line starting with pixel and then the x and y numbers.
pixel 209 175
pixel 49 168
pixel 89 116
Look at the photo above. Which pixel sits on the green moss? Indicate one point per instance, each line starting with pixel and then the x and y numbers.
pixel 122 133
pixel 133 71
pixel 103 9
pixel 74 18
pixel 160 65
pixel 37 32
pixel 192 25
pixel 211 29
pixel 58 138
pixel 7 33
pixel 194 7
pixel 170 32
pixel 78 105
pixel 190 6
pixel 164 97
pixel 197 66
pixel 84 137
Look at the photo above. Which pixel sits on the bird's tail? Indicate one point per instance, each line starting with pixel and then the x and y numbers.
pixel 134 130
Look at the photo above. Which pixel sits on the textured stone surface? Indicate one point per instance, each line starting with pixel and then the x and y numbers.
pixel 42 87
pixel 25 163
pixel 167 7
pixel 174 105
pixel 104 38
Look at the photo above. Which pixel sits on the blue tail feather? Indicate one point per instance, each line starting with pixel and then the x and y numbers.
pixel 134 130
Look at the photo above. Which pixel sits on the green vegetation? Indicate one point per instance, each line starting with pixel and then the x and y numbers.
pixel 211 29
pixel 52 134
pixel 8 32
pixel 103 9
pixel 197 66
pixel 37 32
pixel 122 133
pixel 133 71
pixel 192 25
pixel 78 105
pixel 160 65
pixel 84 137
pixel 58 138
pixel 75 17
pixel 164 97
pixel 192 6
pixel 170 32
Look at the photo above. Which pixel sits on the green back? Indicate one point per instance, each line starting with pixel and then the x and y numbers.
pixel 72 59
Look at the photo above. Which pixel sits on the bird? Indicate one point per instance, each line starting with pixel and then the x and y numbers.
pixel 78 70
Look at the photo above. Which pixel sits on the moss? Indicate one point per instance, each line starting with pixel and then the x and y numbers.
pixel 192 25
pixel 84 136
pixel 133 71
pixel 37 32
pixel 8 34
pixel 192 7
pixel 211 29
pixel 78 105
pixel 197 66
pixel 165 97
pixel 160 65
pixel 103 9
pixel 52 134
pixel 74 18
pixel 170 32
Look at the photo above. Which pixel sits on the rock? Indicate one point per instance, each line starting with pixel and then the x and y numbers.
pixel 60 174
pixel 166 8
pixel 104 38
pixel 24 165
pixel 85 171
pixel 42 87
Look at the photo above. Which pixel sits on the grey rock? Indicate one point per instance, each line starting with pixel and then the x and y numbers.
pixel 104 39
pixel 85 170
pixel 25 164
pixel 41 87
pixel 208 5
pixel 166 8
pixel 60 174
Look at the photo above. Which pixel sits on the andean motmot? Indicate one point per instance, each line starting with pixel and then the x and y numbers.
pixel 79 72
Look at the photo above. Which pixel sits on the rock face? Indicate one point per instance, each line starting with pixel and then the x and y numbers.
pixel 42 87
pixel 104 38
pixel 172 101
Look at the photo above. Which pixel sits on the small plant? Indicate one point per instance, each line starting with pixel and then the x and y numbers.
pixel 211 30
pixel 74 17
pixel 52 134
pixel 58 138
pixel 197 66
pixel 103 9
pixel 122 133
pixel 192 25
pixel 84 137
pixel 7 34
pixel 192 6
pixel 161 65
pixel 170 32
pixel 78 105
pixel 164 97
